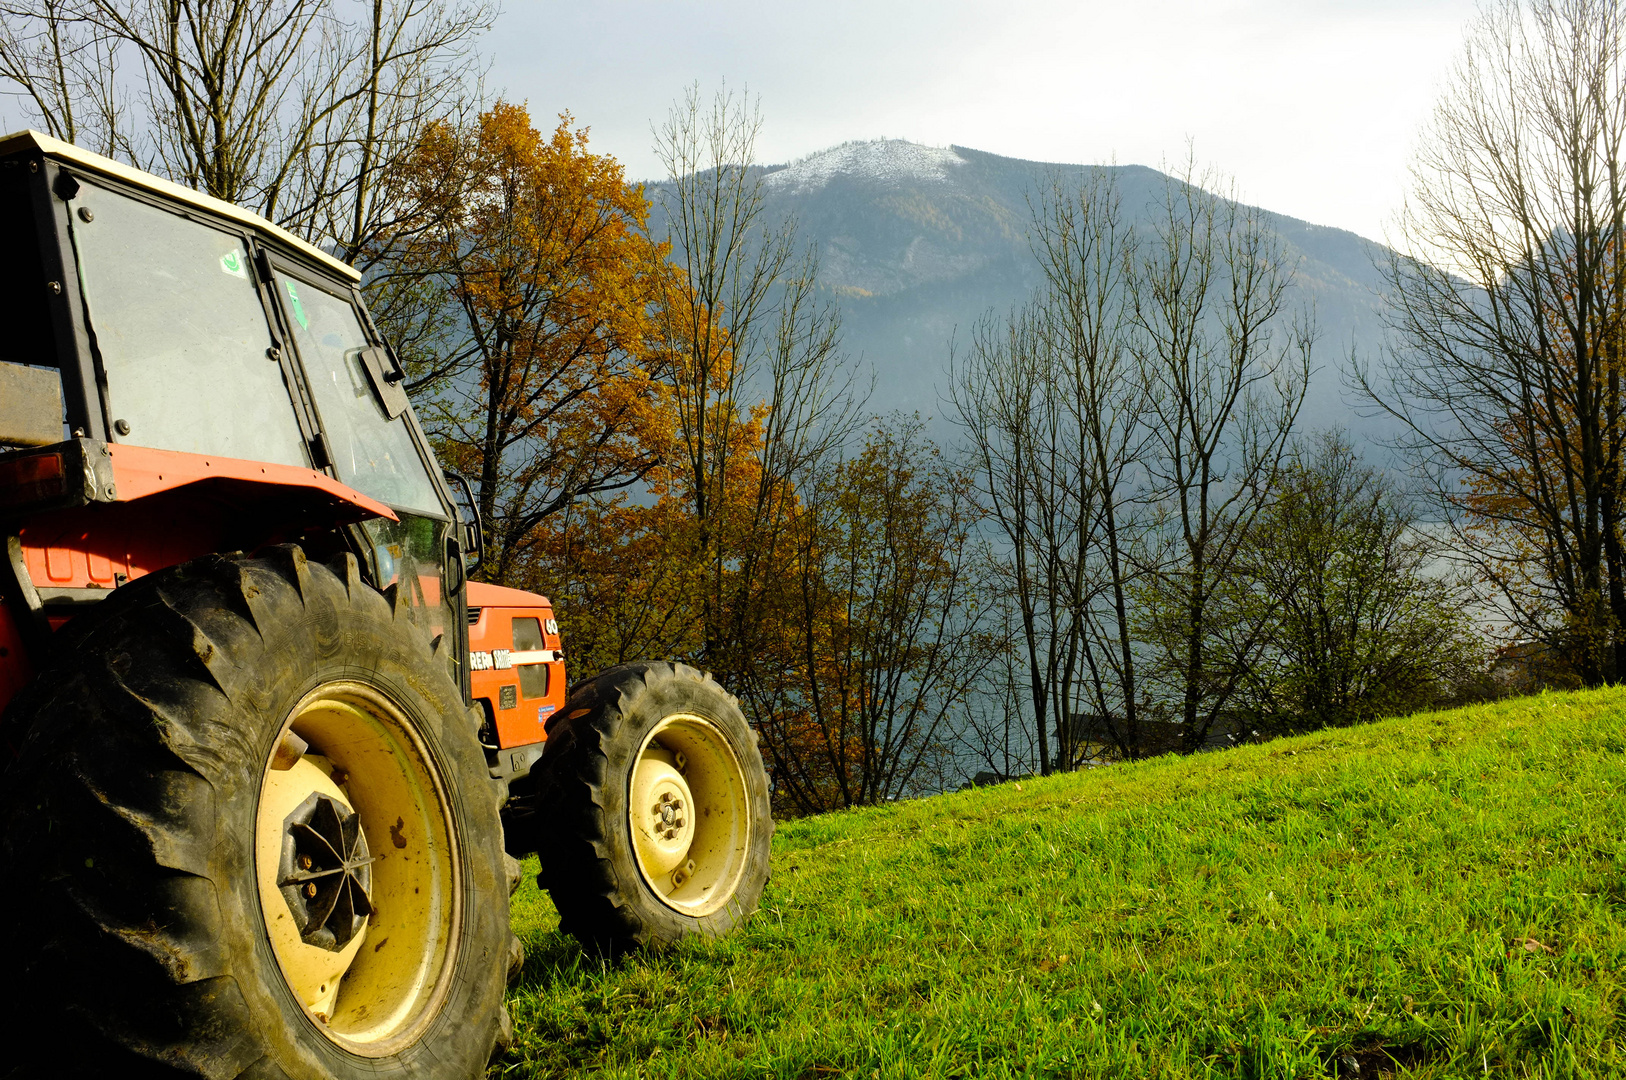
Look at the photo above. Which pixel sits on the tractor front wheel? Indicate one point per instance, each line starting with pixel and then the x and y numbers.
pixel 655 820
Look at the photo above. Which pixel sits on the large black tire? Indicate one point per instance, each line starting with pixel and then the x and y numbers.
pixel 612 894
pixel 137 935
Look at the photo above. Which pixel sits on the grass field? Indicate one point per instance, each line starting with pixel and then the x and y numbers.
pixel 1435 896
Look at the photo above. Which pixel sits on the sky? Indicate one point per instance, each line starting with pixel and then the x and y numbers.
pixel 1311 107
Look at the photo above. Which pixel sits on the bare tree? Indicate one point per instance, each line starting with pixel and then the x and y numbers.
pixel 1051 400
pixel 1086 249
pixel 1024 450
pixel 1125 426
pixel 1224 383
pixel 757 360
pixel 59 64
pixel 1507 305
pixel 994 734
pixel 288 107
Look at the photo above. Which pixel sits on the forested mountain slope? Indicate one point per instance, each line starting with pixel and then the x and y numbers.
pixel 917 242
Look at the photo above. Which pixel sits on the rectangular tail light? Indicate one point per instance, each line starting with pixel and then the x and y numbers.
pixel 26 479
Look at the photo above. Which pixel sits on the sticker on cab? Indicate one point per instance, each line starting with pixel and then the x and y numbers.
pixel 299 309
pixel 234 264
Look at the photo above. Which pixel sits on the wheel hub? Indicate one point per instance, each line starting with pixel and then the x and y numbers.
pixel 326 872
pixel 686 806
pixel 664 818
pixel 365 939
pixel 669 815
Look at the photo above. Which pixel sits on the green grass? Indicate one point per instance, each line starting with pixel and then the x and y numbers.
pixel 1436 896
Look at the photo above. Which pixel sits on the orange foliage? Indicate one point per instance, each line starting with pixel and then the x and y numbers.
pixel 631 569
pixel 1552 507
pixel 548 382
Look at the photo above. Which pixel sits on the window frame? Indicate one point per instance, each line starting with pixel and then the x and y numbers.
pixel 277 264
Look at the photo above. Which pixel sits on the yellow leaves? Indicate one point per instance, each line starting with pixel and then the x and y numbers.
pixel 554 383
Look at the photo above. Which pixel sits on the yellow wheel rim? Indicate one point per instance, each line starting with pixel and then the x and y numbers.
pixel 358 868
pixel 689 815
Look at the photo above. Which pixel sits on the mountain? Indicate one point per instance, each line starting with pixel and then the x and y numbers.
pixel 917 242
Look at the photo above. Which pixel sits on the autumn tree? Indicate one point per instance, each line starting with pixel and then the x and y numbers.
pixel 1507 304
pixel 878 634
pixel 544 378
pixel 757 389
pixel 302 110
pixel 627 562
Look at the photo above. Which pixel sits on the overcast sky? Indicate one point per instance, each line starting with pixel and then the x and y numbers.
pixel 1310 105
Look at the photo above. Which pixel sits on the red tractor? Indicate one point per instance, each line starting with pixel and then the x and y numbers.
pixel 264 742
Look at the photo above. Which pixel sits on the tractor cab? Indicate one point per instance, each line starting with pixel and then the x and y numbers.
pixel 181 377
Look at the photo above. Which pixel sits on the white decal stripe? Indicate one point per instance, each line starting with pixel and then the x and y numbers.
pixel 537 656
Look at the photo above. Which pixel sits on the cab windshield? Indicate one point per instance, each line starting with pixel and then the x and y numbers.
pixel 180 326
pixel 373 454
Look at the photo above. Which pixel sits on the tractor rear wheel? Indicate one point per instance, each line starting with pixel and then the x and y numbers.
pixel 250 833
pixel 655 820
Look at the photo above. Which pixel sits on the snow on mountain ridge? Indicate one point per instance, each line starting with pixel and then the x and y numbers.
pixel 883 161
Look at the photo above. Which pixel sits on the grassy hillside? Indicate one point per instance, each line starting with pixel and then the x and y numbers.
pixel 1436 896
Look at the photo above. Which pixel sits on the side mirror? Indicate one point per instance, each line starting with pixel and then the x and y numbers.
pixel 457 567
pixel 468 513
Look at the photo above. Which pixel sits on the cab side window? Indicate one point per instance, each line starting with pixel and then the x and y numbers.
pixel 373 453
pixel 181 332
pixel 533 678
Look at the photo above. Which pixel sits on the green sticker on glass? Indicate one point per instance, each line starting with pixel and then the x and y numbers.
pixel 299 309
pixel 232 263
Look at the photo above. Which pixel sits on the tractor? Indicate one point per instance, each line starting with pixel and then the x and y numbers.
pixel 269 754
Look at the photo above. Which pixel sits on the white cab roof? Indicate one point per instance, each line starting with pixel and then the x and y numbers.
pixel 95 163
